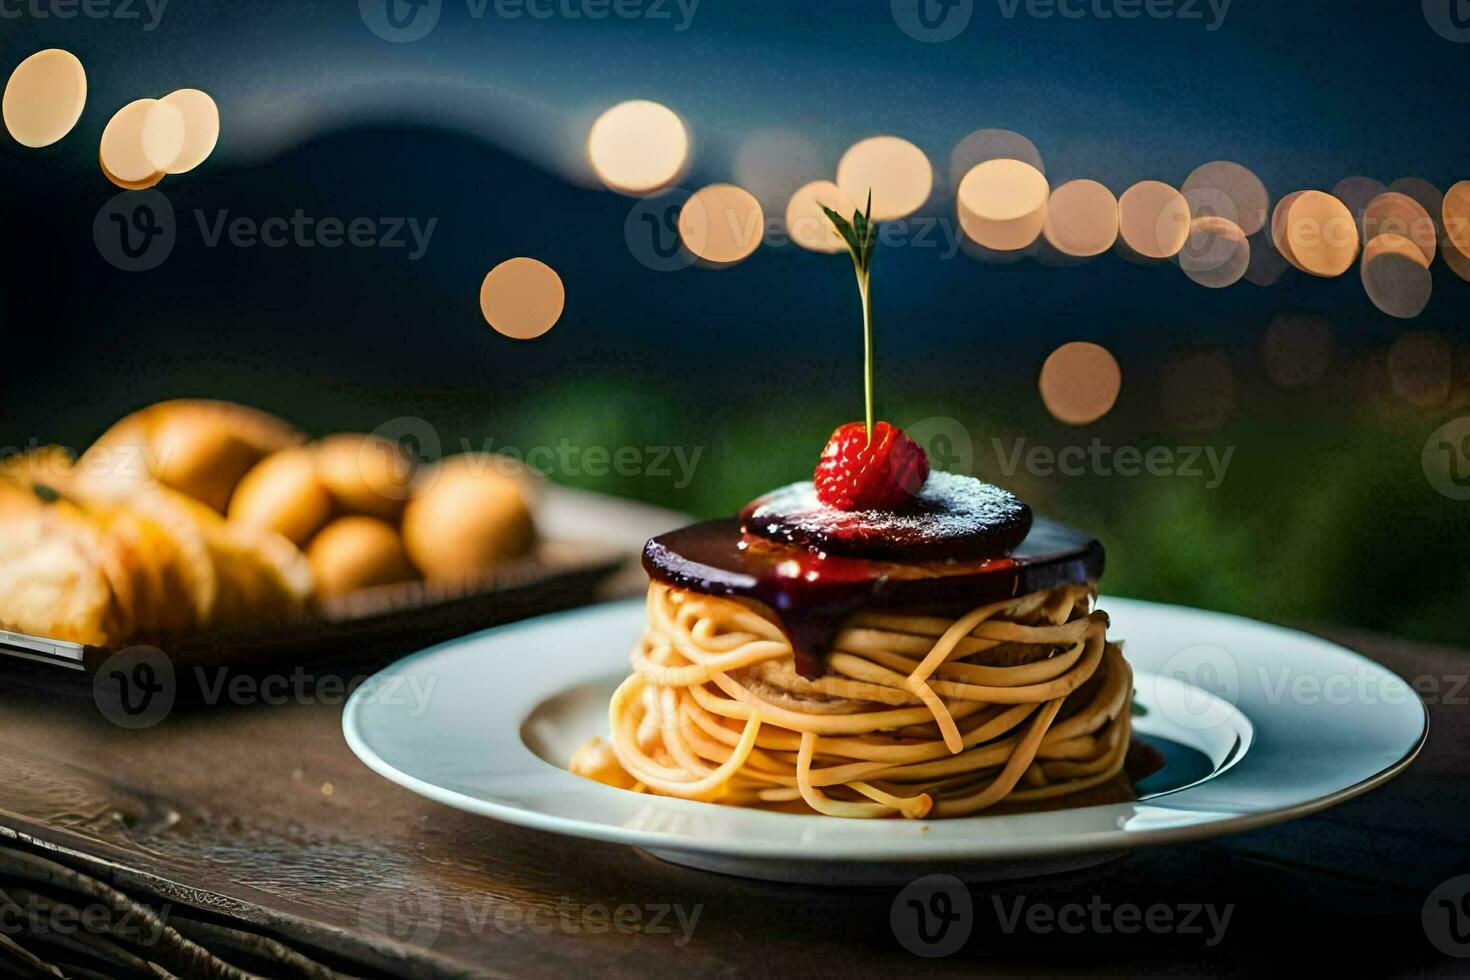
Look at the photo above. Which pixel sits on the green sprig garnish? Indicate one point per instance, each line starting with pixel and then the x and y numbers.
pixel 861 235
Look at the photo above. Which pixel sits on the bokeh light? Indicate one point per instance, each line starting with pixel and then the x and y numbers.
pixel 991 144
pixel 1421 190
pixel 201 128
pixel 1322 234
pixel 1399 214
pixel 896 172
pixel 142 138
pixel 1080 382
pixel 1228 190
pixel 994 256
pixel 522 298
pixel 1279 221
pixel 721 223
pixel 807 225
pixel 1081 219
pixel 1002 204
pixel 129 185
pixel 1216 253
pixel 1297 349
pixel 1455 218
pixel 44 97
pixel 1391 243
pixel 1153 219
pixel 773 164
pixel 1396 275
pixel 1356 193
pixel 637 147
pixel 1420 368
pixel 1197 390
pixel 1458 262
pixel 1267 265
pixel 1460 384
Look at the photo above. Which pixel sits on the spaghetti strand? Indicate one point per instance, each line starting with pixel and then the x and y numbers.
pixel 917 715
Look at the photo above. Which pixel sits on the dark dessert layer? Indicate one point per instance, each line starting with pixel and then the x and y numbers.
pixel 812 594
pixel 953 516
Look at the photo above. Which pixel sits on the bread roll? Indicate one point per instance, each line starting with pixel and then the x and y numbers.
pixel 365 474
pixel 282 494
pixel 189 582
pixel 469 514
pixel 103 563
pixel 198 447
pixel 357 552
pixel 264 578
pixel 54 576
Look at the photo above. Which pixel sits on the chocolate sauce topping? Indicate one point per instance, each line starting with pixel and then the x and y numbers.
pixel 952 516
pixel 812 594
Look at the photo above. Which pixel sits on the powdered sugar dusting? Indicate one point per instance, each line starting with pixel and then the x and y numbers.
pixel 953 516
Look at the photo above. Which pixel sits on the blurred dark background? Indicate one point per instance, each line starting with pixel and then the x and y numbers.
pixel 1324 513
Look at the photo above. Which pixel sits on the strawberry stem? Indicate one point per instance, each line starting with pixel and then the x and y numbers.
pixel 864 280
pixel 861 236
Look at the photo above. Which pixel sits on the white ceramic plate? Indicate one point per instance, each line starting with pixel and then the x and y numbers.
pixel 1258 724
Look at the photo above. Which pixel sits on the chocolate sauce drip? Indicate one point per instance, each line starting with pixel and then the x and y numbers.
pixel 812 594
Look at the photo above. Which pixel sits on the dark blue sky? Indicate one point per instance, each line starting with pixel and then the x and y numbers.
pixel 479 122
pixel 1302 92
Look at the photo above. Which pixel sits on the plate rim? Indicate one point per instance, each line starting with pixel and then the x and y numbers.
pixel 995 849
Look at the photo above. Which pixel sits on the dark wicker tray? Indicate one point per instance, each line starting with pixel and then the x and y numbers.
pixel 374 624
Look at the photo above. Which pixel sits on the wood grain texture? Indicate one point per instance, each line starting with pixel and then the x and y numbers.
pixel 261 815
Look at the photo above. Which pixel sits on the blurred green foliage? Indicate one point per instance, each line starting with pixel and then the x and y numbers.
pixel 1323 514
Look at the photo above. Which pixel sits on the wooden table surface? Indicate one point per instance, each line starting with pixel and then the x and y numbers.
pixel 260 816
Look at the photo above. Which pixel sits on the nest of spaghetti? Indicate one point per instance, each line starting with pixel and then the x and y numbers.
pixel 918 715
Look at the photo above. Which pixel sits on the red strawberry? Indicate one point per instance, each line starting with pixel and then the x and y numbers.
pixel 882 474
